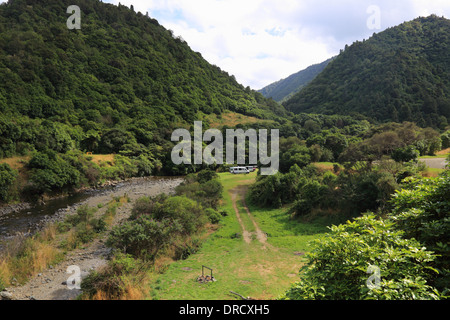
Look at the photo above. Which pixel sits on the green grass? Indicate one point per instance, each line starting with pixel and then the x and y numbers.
pixel 255 270
pixel 434 157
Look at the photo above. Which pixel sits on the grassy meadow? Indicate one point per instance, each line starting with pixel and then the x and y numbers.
pixel 257 270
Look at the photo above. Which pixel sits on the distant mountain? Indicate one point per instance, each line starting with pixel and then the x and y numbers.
pixel 401 74
pixel 285 88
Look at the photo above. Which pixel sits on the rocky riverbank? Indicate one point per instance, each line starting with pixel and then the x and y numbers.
pixel 51 284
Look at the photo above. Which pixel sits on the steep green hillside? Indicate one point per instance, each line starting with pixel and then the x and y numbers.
pixel 120 83
pixel 401 74
pixel 286 88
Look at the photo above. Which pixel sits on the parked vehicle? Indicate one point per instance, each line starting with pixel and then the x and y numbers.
pixel 251 168
pixel 240 170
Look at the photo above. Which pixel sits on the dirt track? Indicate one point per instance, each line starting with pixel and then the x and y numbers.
pixel 260 235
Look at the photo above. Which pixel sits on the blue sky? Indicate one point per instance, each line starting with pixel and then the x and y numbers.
pixel 262 41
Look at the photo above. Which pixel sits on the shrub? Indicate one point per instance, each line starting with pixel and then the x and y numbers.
pixel 84 214
pixel 213 216
pixel 405 154
pixel 338 265
pixel 114 282
pixel 7 178
pixel 51 172
pixel 186 212
pixel 421 210
pixel 143 237
pixel 206 175
pixel 142 206
pixel 208 193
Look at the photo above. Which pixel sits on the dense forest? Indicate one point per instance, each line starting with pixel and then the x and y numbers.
pixel 121 82
pixel 119 85
pixel 284 89
pixel 401 74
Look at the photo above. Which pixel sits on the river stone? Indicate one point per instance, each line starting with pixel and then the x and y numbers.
pixel 6 295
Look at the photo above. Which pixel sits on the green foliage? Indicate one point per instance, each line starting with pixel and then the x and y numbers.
pixel 143 237
pixel 204 188
pixel 85 226
pixel 445 138
pixel 311 195
pixel 83 215
pixel 186 212
pixel 144 206
pixel 119 85
pixel 7 178
pixel 206 176
pixel 50 172
pixel 421 209
pixel 155 223
pixel 279 189
pixel 112 280
pixel 406 154
pixel 213 216
pixel 397 75
pixel 400 141
pixel 337 267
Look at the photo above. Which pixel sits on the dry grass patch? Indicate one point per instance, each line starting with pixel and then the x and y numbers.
pixel 232 119
pixel 102 158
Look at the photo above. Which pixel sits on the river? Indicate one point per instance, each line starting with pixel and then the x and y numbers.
pixel 29 218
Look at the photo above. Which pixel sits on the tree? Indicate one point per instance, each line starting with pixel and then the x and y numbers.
pixel 7 178
pixel 407 154
pixel 337 143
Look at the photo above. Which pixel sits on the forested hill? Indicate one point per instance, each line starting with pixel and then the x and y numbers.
pixel 284 89
pixel 121 71
pixel 401 74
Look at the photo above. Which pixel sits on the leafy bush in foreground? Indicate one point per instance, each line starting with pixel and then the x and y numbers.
pixel 422 210
pixel 337 268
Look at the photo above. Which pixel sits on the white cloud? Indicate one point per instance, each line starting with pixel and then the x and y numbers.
pixel 262 41
pixel 258 41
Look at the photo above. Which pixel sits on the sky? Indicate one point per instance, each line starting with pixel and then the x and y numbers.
pixel 263 41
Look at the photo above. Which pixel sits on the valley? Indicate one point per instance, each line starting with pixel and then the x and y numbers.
pixel 93 174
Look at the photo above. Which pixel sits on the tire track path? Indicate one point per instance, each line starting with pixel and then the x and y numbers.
pixel 247 235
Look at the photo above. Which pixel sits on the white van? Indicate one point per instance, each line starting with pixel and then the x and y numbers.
pixel 240 170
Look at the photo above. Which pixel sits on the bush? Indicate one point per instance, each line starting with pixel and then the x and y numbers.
pixel 113 281
pixel 338 265
pixel 144 237
pixel 7 178
pixel 406 154
pixel 51 172
pixel 206 175
pixel 208 192
pixel 84 214
pixel 213 216
pixel 142 206
pixel 421 211
pixel 277 190
pixel 186 212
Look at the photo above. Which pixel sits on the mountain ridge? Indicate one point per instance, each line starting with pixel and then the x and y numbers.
pixel 400 74
pixel 283 89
